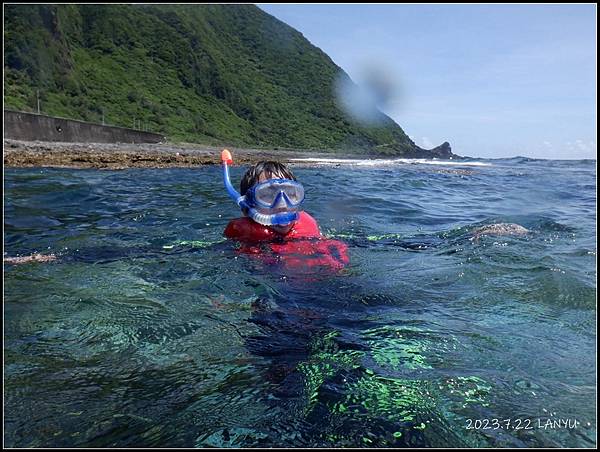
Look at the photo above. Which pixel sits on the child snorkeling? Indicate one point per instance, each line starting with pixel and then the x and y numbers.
pixel 270 198
pixel 273 226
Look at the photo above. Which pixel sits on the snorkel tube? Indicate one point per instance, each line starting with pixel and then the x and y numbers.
pixel 227 160
pixel 283 218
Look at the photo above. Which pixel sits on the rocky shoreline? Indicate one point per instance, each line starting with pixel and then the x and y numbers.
pixel 125 155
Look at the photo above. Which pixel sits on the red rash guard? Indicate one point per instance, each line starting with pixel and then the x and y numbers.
pixel 303 246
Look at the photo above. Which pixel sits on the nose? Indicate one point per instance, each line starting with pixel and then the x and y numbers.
pixel 281 201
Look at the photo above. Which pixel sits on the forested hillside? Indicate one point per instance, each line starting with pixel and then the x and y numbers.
pixel 218 74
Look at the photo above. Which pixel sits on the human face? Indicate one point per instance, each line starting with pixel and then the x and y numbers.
pixel 280 229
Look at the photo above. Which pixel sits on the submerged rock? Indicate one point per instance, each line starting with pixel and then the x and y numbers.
pixel 37 257
pixel 500 229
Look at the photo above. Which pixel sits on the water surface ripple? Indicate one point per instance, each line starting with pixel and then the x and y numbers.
pixel 150 330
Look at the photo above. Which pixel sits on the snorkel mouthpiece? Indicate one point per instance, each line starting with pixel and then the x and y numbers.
pixel 278 219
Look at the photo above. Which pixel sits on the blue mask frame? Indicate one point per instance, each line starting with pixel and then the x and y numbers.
pixel 253 199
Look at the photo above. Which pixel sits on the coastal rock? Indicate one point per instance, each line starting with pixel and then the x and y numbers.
pixel 443 151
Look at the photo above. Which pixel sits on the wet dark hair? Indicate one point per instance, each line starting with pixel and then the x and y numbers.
pixel 270 168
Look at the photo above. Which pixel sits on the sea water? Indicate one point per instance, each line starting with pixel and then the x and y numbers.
pixel 149 329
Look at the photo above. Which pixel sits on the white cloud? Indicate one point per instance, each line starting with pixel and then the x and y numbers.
pixel 578 149
pixel 585 147
pixel 427 144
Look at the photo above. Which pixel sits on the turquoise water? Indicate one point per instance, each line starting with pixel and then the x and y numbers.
pixel 150 330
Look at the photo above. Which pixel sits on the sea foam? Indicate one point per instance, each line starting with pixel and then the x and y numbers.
pixel 386 162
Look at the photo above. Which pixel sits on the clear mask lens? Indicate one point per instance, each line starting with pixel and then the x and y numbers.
pixel 277 193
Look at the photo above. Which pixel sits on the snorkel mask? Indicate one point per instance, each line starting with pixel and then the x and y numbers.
pixel 274 202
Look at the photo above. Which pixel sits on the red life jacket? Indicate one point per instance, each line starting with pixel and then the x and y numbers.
pixel 247 230
pixel 303 246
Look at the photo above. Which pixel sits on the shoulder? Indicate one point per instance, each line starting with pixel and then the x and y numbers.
pixel 236 223
pixel 306 226
pixel 246 229
pixel 305 216
pixel 309 221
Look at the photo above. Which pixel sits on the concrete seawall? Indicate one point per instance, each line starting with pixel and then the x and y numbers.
pixel 32 127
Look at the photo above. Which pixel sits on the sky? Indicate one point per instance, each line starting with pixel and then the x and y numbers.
pixel 493 80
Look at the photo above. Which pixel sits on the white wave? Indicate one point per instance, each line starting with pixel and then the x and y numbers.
pixel 385 162
pixel 445 162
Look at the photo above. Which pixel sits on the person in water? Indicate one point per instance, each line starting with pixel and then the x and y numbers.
pixel 273 226
pixel 270 198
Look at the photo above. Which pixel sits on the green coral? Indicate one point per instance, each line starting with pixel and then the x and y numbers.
pixel 396 353
pixel 326 360
pixel 193 243
pixel 371 397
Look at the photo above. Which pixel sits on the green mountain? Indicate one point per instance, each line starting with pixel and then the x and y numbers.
pixel 214 74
